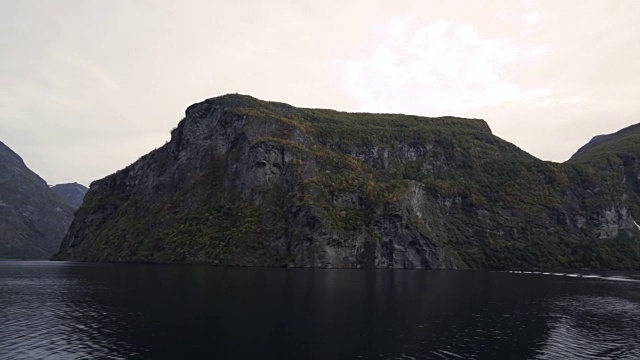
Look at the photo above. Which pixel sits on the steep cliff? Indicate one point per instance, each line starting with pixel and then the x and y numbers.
pixel 248 182
pixel 71 193
pixel 33 219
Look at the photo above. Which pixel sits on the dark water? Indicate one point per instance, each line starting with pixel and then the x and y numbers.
pixel 65 310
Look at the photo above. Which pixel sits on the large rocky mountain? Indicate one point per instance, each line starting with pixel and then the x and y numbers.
pixel 71 193
pixel 249 182
pixel 33 219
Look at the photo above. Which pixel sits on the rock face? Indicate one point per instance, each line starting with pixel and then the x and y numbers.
pixel 72 193
pixel 248 182
pixel 33 219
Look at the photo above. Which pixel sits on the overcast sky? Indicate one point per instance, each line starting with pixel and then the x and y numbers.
pixel 87 87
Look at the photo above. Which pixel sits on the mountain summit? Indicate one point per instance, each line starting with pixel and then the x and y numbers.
pixel 71 193
pixel 249 182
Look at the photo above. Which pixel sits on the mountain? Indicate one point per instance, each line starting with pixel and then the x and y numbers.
pixel 71 193
pixel 33 219
pixel 255 183
pixel 624 141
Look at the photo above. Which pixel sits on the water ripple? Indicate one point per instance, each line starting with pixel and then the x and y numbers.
pixel 65 311
pixel 590 327
pixel 40 320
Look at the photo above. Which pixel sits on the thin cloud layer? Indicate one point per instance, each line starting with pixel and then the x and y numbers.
pixel 89 87
pixel 446 67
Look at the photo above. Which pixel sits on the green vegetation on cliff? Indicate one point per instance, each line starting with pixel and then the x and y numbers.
pixel 250 182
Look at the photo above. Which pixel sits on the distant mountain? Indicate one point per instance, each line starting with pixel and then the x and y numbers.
pixel 255 183
pixel 33 219
pixel 621 144
pixel 71 193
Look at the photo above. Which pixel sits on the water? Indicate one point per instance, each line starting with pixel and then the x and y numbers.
pixel 66 310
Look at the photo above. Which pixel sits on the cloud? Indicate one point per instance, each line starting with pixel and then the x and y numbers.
pixel 532 18
pixel 88 87
pixel 572 100
pixel 446 66
pixel 84 68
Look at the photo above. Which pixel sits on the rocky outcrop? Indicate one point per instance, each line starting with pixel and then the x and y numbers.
pixel 71 193
pixel 247 182
pixel 33 219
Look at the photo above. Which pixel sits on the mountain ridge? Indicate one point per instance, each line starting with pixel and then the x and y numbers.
pixel 33 219
pixel 71 193
pixel 603 139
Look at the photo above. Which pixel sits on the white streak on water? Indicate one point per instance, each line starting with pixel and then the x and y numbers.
pixel 574 275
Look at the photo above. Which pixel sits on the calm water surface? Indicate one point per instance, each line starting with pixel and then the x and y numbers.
pixel 67 310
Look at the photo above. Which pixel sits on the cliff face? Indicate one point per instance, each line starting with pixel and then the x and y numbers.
pixel 247 182
pixel 71 193
pixel 33 219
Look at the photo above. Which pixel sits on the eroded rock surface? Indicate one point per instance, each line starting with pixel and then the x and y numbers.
pixel 248 182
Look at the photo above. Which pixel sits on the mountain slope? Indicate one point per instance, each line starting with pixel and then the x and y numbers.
pixel 249 182
pixel 616 155
pixel 624 141
pixel 72 193
pixel 33 219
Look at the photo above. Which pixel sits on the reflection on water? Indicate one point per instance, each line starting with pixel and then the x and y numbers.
pixel 65 310
pixel 48 314
pixel 593 327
